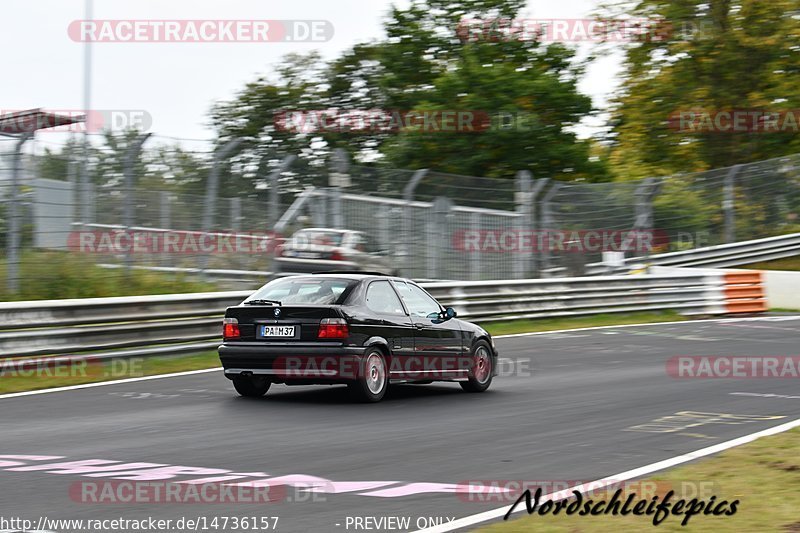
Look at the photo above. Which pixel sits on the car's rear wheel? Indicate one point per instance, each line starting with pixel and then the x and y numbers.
pixel 481 376
pixel 373 379
pixel 251 386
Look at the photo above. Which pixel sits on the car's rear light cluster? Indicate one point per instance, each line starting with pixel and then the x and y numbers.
pixel 230 329
pixel 336 256
pixel 333 328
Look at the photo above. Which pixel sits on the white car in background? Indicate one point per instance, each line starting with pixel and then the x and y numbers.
pixel 324 249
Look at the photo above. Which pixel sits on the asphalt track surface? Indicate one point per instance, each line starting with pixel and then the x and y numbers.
pixel 568 414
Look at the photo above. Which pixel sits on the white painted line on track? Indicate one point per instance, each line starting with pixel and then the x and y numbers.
pixel 105 383
pixel 189 373
pixel 611 480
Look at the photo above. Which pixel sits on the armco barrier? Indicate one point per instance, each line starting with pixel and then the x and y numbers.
pixel 100 328
pixel 783 289
pixel 690 294
pixel 745 292
pixel 720 256
pixel 741 291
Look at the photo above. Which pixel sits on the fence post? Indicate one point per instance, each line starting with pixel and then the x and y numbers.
pixel 14 226
pixel 527 191
pixel 475 256
pixel 131 155
pixel 164 220
pixel 72 177
pixel 211 190
pixel 236 214
pixel 274 191
pixel 728 204
pixel 547 225
pixel 522 199
pixel 408 215
pixel 644 195
pixel 538 186
pixel 338 179
pixel 437 225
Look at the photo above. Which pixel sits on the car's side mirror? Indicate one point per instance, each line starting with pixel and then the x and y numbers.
pixel 450 313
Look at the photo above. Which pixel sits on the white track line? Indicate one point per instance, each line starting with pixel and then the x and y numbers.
pixel 191 372
pixel 105 383
pixel 624 476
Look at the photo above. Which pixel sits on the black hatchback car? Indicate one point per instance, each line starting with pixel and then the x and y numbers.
pixel 363 330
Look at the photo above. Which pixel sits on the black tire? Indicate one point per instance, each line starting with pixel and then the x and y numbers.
pixel 251 387
pixel 373 379
pixel 481 375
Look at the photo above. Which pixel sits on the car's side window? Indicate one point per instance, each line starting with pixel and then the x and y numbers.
pixel 417 301
pixel 381 298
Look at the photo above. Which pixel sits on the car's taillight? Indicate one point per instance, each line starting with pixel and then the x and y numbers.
pixel 230 328
pixel 336 256
pixel 333 328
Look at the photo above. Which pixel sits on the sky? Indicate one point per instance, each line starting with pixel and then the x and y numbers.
pixel 176 84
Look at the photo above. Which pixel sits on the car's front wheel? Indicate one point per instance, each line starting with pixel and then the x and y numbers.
pixel 373 378
pixel 481 375
pixel 251 386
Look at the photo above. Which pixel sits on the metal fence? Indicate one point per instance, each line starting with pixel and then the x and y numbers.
pixel 434 225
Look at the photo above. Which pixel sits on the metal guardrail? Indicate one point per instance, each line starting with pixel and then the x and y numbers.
pixel 720 256
pixel 730 255
pixel 563 297
pixel 107 328
pixel 62 327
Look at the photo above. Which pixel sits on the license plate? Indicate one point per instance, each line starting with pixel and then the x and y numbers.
pixel 277 331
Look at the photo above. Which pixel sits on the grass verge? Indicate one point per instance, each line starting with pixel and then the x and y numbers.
pixel 763 475
pixel 550 324
pixel 46 275
pixel 788 263
pixel 46 377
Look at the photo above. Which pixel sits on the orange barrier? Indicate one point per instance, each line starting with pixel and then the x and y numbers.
pixel 744 292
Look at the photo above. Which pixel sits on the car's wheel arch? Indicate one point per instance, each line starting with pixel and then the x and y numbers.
pixel 484 338
pixel 492 350
pixel 380 342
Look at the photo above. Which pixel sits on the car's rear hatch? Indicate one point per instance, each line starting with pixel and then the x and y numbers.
pixel 281 324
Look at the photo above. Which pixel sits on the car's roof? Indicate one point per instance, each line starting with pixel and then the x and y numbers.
pixel 356 276
pixel 328 230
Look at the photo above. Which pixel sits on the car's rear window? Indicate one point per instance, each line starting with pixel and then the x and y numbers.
pixel 304 290
pixel 321 238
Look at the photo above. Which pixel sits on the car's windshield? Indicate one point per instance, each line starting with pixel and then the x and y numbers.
pixel 317 237
pixel 303 290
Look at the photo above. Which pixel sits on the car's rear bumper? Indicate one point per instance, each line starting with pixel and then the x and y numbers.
pixel 289 364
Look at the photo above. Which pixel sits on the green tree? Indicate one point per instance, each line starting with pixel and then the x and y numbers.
pixel 425 64
pixel 720 55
